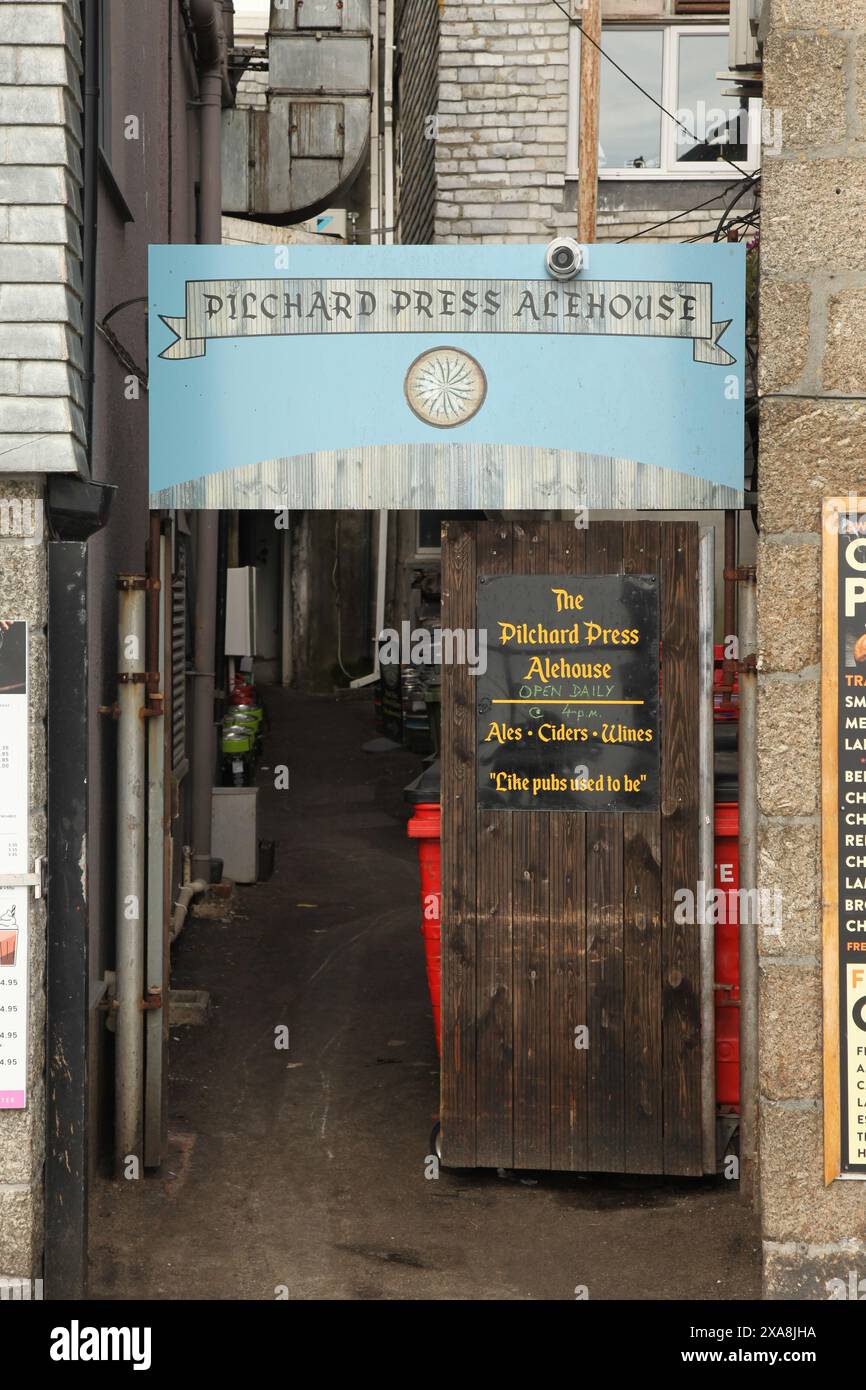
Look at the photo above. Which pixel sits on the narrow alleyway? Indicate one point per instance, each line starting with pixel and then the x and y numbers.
pixel 301 1173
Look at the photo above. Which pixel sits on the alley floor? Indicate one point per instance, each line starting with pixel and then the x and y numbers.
pixel 300 1173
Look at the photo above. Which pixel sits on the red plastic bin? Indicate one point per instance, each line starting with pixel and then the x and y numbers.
pixel 425 827
pixel 727 878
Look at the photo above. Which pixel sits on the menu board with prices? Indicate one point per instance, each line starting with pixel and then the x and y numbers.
pixel 14 837
pixel 850 777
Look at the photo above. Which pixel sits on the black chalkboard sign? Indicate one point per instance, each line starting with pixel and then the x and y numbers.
pixel 568 707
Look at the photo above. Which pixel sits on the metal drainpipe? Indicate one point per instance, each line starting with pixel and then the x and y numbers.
pixel 376 219
pixel 388 122
pixel 129 1035
pixel 208 33
pixel 209 57
pixel 706 596
pixel 748 849
pixel 381 583
pixel 155 964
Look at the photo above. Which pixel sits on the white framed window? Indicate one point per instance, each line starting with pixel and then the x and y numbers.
pixel 677 65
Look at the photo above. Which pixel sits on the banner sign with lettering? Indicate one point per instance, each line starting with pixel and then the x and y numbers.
pixel 218 309
pixel 14 852
pixel 408 376
pixel 568 708
pixel 844 835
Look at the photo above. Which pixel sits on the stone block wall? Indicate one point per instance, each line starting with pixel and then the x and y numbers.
pixel 813 444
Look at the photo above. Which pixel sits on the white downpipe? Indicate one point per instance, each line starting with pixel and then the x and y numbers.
pixel 286 624
pixel 381 576
pixel 181 908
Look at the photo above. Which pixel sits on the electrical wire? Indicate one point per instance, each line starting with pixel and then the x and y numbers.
pixel 675 218
pixel 732 204
pixel 700 143
pixel 807 396
pixel 738 222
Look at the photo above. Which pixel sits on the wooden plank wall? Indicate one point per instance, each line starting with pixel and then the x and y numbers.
pixel 554 920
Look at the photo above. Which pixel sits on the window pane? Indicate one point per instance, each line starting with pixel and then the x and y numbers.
pixel 718 122
pixel 629 124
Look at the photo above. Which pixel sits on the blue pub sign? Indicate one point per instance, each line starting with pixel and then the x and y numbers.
pixel 431 376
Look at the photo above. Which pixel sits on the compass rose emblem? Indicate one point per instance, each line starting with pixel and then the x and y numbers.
pixel 445 387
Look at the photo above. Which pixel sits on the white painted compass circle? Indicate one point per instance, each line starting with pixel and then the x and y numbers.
pixel 445 387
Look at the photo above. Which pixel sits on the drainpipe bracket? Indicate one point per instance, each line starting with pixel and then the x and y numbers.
pixel 36 880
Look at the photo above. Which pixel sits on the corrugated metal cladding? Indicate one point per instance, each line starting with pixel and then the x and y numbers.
pixel 418 98
pixel 476 476
pixel 179 640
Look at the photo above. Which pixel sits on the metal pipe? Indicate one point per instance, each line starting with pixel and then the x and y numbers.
pixel 203 733
pixel 206 27
pixel 286 624
pixel 206 21
pixel 730 585
pixel 381 576
pixel 748 848
pixel 376 237
pixel 129 964
pixel 706 596
pixel 388 112
pixel 206 24
pixel 156 973
pixel 181 908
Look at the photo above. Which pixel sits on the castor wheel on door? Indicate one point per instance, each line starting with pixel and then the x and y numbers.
pixel 436 1141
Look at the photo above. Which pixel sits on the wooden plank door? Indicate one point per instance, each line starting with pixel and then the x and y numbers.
pixel 554 921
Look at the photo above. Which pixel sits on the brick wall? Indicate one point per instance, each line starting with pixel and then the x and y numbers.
pixel 252 90
pixel 503 131
pixel 503 108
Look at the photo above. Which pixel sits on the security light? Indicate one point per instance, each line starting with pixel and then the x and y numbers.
pixel 564 258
